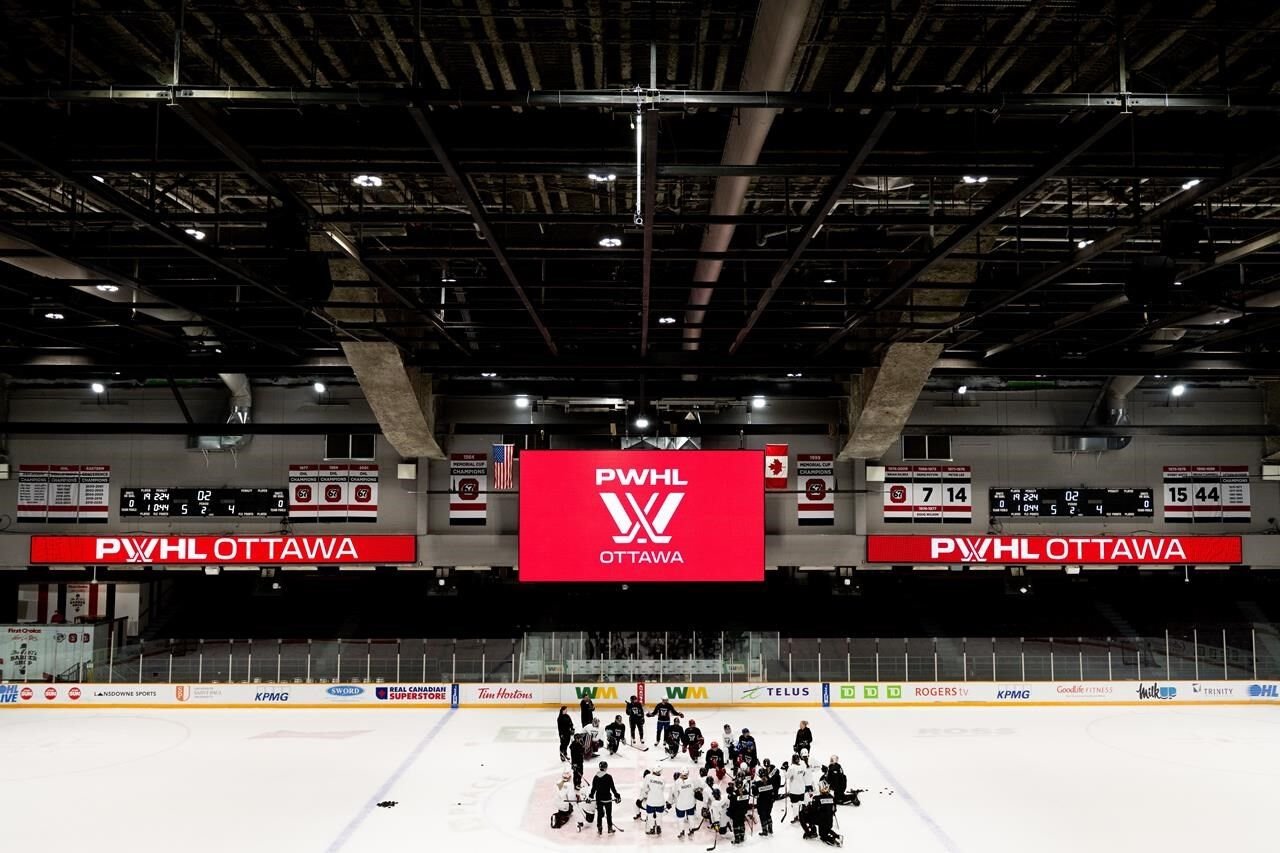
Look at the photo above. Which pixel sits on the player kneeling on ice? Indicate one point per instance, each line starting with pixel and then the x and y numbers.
pixel 615 734
pixel 693 740
pixel 566 796
pixel 715 760
pixel 675 739
pixel 654 795
pixel 684 799
pixel 833 775
pixel 587 806
pixel 591 738
pixel 717 813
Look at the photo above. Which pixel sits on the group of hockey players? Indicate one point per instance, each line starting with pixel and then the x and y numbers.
pixel 728 788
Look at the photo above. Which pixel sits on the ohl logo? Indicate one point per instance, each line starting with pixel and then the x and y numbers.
pixel 596 692
pixel 686 693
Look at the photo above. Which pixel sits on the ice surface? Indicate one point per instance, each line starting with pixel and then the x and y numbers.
pixel 981 780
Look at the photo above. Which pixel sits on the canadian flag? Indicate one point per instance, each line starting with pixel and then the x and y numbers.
pixel 776 473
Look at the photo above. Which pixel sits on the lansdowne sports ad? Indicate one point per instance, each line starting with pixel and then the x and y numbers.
pixel 641 515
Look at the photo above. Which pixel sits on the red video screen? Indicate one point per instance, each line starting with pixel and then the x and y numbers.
pixel 641 515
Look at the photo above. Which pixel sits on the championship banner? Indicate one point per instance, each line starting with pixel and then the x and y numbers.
pixel 928 494
pixel 223 550
pixel 63 494
pixel 622 516
pixel 333 492
pixel 468 489
pixel 1217 494
pixel 816 482
pixel 776 473
pixel 1025 550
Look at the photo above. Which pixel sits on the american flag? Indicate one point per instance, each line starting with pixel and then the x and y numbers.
pixel 504 460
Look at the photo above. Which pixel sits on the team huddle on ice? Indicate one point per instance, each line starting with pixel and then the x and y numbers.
pixel 729 788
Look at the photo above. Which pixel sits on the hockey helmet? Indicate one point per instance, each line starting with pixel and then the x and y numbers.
pixel 767 763
pixel 715 745
pixel 604 765
pixel 804 752
pixel 693 722
pixel 746 731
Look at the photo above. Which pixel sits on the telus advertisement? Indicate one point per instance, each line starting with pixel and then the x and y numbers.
pixel 641 515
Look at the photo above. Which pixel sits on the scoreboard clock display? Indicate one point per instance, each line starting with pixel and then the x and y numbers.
pixel 1072 503
pixel 203 503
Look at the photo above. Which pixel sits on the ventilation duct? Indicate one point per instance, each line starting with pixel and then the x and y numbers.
pixel 1113 410
pixel 241 412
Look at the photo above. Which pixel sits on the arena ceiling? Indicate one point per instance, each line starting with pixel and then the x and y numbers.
pixel 1045 187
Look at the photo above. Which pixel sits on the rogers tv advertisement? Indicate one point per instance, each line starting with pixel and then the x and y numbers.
pixel 641 515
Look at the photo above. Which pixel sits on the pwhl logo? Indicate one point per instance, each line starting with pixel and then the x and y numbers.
pixel 686 693
pixel 637 523
pixel 597 692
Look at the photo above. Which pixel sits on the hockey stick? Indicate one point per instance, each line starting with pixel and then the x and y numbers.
pixel 717 838
pixel 644 748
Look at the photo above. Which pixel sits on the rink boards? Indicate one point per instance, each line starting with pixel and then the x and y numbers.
pixel 610 698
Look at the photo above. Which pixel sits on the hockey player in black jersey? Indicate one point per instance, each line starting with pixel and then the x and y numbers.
pixel 747 747
pixel 715 760
pixel 739 806
pixel 635 714
pixel 588 710
pixel 693 740
pixel 665 712
pixel 675 739
pixel 615 733
pixel 766 788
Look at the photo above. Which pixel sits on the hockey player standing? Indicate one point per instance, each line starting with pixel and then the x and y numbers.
pixel 588 710
pixel 565 725
pixel 664 711
pixel 739 805
pixel 804 738
pixel 635 713
pixel 615 734
pixel 693 740
pixel 605 793
pixel 796 774
pixel 684 798
pixel 576 759
pixel 654 797
pixel 767 788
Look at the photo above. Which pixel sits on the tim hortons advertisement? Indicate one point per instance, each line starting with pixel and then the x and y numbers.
pixel 1095 550
pixel 642 515
pixel 223 550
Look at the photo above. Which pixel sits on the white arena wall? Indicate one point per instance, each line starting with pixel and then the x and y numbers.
pixel 609 698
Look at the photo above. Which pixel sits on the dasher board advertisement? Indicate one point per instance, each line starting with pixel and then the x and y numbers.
pixel 1083 549
pixel 642 515
pixel 223 550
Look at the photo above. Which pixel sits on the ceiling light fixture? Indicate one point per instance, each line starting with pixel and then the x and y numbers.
pixel 642 422
pixel 367 181
pixel 522 402
pixel 100 179
pixel 1194 182
pixel 97 387
pixel 794 375
pixel 1083 244
pixel 666 321
pixel 610 242
pixel 963 389
pixel 828 281
pixel 974 179
pixel 54 315
pixel 107 288
pixel 445 278
pixel 488 375
pixel 195 233
pixel 757 402
pixel 1178 390
pixel 602 178
pixel 319 387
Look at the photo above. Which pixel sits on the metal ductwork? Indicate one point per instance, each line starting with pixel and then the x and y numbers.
pixel 39 262
pixel 774 39
pixel 1113 410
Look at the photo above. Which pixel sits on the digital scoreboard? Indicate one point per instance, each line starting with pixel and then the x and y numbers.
pixel 203 503
pixel 1072 503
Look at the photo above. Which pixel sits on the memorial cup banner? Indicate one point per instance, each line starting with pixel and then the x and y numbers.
pixel 815 489
pixel 1214 494
pixel 333 492
pixel 469 489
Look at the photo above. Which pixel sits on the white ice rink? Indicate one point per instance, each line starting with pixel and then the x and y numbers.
pixel 982 780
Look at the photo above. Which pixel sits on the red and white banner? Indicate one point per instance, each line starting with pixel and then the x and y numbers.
pixel 928 494
pixel 1207 493
pixel 1023 550
pixel 468 489
pixel 64 494
pixel 656 515
pixel 334 492
pixel 816 481
pixel 223 550
pixel 776 470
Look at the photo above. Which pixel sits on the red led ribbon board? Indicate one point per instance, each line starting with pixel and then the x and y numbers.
pixel 641 515
pixel 1036 550
pixel 223 550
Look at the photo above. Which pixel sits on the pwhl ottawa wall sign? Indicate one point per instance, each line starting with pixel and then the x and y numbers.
pixel 656 515
pixel 1092 550
pixel 223 550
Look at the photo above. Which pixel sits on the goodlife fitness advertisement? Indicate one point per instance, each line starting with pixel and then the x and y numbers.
pixel 223 550
pixel 1033 550
pixel 641 515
